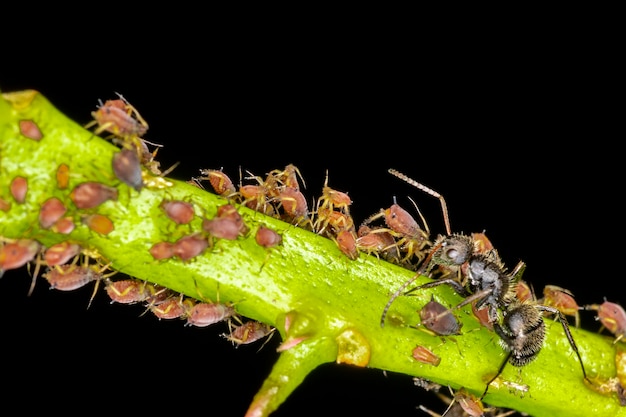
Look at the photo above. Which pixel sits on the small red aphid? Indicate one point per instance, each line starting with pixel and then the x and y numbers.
pixel 377 241
pixel 162 250
pixel 19 188
pixel 288 177
pixel 562 300
pixel 30 129
pixel 99 223
pixel 425 355
pixel 204 314
pixel 71 277
pixel 190 246
pixel 267 237
pixel 172 308
pixel 50 212
pixel 91 194
pixel 221 183
pixel 127 168
pixel 63 176
pixel 612 316
pixel 248 332
pixel 131 291
pixel 346 241
pixel 221 228
pixel 120 118
pixel 64 225
pixel 18 253
pixel 61 253
pixel 4 205
pixel 181 212
pixel 332 199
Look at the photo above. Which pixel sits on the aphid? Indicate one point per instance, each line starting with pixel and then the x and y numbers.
pixel 91 194
pixel 172 308
pixel 118 117
pixel 162 250
pixel 64 225
pixel 612 316
pixel 61 253
pixel 221 183
pixel 63 176
pixel 563 300
pixel 330 222
pixel 267 237
pixel 19 188
pixel 131 291
pixel 379 242
pixel 332 199
pixel 50 212
pixel 277 179
pixel 227 224
pixel 180 212
pixel 256 198
pixel 293 204
pixel 438 319
pixel 127 168
pixel 70 277
pixel 17 253
pixel 5 205
pixel 30 129
pixel 248 332
pixel 425 355
pixel 464 404
pixel 99 223
pixel 204 314
pixel 346 241
pixel 190 246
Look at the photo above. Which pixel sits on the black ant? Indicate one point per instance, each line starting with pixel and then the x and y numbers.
pixel 484 279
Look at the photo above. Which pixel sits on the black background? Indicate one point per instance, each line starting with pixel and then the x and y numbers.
pixel 516 138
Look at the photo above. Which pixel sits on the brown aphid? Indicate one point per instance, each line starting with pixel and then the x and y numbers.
pixel 330 222
pixel 61 253
pixel 99 223
pixel 50 212
pixel 204 314
pixel 64 225
pixel 277 179
pixel 63 176
pixel 332 199
pixel 120 118
pixel 127 168
pixel 15 254
pixel 255 197
pixel 228 211
pixel 563 300
pixel 70 277
pixel 172 308
pixel 5 205
pixel 267 237
pixel 425 355
pixel 524 292
pixel 180 212
pixel 378 241
pixel 190 246
pixel 612 316
pixel 91 194
pixel 221 183
pixel 162 250
pixel 221 228
pixel 433 318
pixel 132 291
pixel 346 241
pixel 30 129
pixel 294 205
pixel 19 188
pixel 248 332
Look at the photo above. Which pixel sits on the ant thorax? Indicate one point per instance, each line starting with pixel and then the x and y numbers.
pixel 486 273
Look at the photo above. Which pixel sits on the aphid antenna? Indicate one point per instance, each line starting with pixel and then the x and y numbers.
pixel 427 190
pixel 421 215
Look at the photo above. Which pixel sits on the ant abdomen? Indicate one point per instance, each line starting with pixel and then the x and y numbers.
pixel 522 333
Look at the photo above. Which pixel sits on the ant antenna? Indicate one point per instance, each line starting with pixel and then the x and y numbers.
pixel 427 190
pixel 396 294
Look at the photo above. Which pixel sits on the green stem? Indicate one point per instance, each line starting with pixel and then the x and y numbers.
pixel 325 306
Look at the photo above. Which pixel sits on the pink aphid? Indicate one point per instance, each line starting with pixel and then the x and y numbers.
pixel 71 277
pixel 172 308
pixel 61 253
pixel 205 314
pixel 30 129
pixel 180 212
pixel 425 355
pixel 612 316
pixel 19 188
pixel 220 182
pixel 91 194
pixel 131 291
pixel 162 250
pixel 120 118
pixel 50 212
pixel 190 246
pixel 248 332
pixel 267 237
pixel 16 254
pixel 222 228
pixel 64 225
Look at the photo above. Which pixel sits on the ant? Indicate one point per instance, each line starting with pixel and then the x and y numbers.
pixel 485 281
